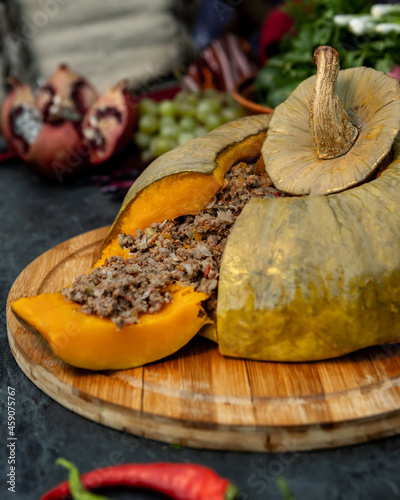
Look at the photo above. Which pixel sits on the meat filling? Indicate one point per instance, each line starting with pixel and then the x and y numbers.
pixel 186 251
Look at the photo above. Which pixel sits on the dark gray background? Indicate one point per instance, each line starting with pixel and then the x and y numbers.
pixel 35 215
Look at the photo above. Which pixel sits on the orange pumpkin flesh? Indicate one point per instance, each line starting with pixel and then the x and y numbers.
pixel 190 193
pixel 87 341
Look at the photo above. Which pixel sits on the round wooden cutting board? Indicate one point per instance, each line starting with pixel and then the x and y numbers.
pixel 201 399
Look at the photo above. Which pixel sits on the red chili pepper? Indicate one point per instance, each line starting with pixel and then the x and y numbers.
pixel 178 481
pixel 206 271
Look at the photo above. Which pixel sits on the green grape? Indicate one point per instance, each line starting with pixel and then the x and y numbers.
pixel 213 103
pixel 194 97
pixel 187 123
pixel 202 111
pixel 148 106
pixel 230 114
pixel 167 108
pixel 146 155
pixel 171 131
pixel 186 108
pixel 142 140
pixel 180 96
pixel 148 123
pixel 207 107
pixel 212 121
pixel 185 136
pixel 201 115
pixel 190 98
pixel 160 145
pixel 166 121
pixel 199 131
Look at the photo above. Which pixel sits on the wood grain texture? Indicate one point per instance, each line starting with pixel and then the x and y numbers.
pixel 199 398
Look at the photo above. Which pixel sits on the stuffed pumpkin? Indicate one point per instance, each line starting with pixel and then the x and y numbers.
pixel 308 269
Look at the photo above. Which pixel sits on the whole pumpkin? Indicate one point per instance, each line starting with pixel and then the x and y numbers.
pixel 302 278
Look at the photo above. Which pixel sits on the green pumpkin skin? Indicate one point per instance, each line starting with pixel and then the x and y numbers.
pixel 311 278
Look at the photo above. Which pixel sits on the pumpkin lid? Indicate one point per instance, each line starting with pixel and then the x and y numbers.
pixel 334 130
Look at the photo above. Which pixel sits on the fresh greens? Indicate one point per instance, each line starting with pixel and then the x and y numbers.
pixel 364 35
pixel 284 488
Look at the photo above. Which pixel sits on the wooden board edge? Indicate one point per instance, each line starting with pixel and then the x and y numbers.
pixel 259 439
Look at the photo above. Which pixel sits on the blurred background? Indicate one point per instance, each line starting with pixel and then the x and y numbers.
pixel 239 56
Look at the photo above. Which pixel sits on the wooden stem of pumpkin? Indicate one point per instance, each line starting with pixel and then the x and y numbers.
pixel 331 129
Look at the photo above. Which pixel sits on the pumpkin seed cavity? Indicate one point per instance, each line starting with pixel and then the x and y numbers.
pixel 186 251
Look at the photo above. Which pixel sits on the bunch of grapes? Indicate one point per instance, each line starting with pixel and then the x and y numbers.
pixel 169 123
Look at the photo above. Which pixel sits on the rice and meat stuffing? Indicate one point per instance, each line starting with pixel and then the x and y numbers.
pixel 186 251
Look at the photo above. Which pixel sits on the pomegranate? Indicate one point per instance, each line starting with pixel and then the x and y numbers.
pixel 58 151
pixel 108 125
pixel 21 122
pixel 57 134
pixel 66 95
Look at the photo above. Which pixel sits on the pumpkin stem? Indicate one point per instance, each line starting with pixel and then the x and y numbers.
pixel 331 129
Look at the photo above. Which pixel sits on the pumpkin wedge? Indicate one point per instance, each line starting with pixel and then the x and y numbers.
pixel 87 341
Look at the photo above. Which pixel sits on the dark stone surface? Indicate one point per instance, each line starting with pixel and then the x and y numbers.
pixel 35 215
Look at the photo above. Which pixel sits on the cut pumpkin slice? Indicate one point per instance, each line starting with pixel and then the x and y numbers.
pixel 87 341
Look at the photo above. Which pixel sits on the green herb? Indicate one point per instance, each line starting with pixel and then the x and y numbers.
pixel 284 488
pixel 176 446
pixel 316 22
pixel 231 492
pixel 78 492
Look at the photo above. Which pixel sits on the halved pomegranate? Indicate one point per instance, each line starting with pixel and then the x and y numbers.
pixel 66 95
pixel 21 122
pixel 108 125
pixel 56 134
pixel 50 149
